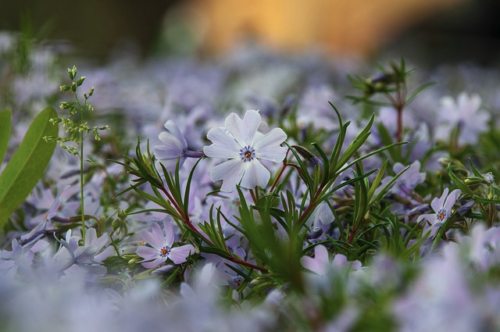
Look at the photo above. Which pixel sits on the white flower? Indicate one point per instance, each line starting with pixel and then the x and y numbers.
pixel 244 147
pixel 466 114
pixel 174 148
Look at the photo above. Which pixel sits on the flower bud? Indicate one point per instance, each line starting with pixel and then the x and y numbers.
pixel 65 88
pixel 312 159
pixel 80 81
pixel 488 177
pixel 473 180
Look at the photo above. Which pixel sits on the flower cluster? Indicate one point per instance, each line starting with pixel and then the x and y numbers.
pixel 267 201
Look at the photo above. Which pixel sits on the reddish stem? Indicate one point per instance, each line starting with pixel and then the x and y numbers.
pixel 280 172
pixel 190 225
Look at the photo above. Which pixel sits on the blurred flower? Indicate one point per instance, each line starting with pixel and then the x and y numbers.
pixel 174 148
pixel 21 257
pixel 244 146
pixel 321 264
pixel 464 113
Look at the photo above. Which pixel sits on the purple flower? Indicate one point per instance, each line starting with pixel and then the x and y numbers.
pixel 244 147
pixel 442 208
pixel 162 250
pixel 174 148
pixel 320 264
pixel 464 113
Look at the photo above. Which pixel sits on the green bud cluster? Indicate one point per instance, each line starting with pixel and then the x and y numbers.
pixel 77 131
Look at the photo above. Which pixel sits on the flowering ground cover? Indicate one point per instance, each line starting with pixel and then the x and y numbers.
pixel 254 192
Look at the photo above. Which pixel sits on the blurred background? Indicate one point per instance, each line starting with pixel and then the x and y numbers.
pixel 433 31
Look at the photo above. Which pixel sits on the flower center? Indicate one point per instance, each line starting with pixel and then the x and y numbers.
pixel 247 153
pixel 441 214
pixel 238 280
pixel 164 251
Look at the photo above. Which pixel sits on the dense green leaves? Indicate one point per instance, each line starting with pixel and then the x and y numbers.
pixel 27 164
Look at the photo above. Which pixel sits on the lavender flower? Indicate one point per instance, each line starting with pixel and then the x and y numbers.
pixel 174 148
pixel 244 147
pixel 465 114
pixel 320 264
pixel 442 208
pixel 162 250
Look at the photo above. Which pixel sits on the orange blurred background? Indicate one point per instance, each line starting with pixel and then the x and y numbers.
pixel 437 28
pixel 336 26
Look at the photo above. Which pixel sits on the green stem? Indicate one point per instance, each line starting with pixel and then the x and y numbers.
pixel 81 182
pixel 81 138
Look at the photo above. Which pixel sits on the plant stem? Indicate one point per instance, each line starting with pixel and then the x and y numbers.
pixel 81 183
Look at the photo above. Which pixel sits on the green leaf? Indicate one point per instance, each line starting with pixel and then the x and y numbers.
pixel 4 132
pixel 28 164
pixel 457 181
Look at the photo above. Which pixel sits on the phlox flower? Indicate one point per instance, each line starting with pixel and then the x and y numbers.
pixel 161 247
pixel 442 208
pixel 320 264
pixel 75 259
pixel 243 147
pixel 174 147
pixel 464 113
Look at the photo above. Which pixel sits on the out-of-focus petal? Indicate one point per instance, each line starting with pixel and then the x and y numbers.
pixel 172 127
pixel 171 144
pixel 179 255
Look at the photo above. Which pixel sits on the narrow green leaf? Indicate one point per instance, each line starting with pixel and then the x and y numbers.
pixel 457 181
pixel 27 165
pixel 216 251
pixel 4 132
pixel 472 168
pixel 377 180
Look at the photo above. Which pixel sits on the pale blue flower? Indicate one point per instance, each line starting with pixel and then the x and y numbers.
pixel 442 208
pixel 161 242
pixel 464 113
pixel 243 147
pixel 321 264
pixel 174 147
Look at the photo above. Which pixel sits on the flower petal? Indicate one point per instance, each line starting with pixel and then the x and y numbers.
pixel 255 175
pixel 172 127
pixel 172 147
pixel 104 254
pixel 179 255
pixel 321 254
pixel 147 253
pixel 155 263
pixel 451 199
pixel 230 172
pixel 155 238
pixel 313 265
pixel 224 145
pixel 243 130
pixel 169 233
pixel 268 146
